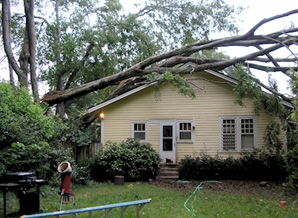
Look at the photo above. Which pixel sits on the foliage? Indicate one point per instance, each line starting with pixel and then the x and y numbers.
pixel 292 160
pixel 292 179
pixel 245 87
pixel 81 172
pixel 271 137
pixel 25 122
pixel 248 87
pixel 130 158
pixel 86 40
pixel 252 166
pixel 39 158
pixel 81 137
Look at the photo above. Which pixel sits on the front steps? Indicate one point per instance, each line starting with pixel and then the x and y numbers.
pixel 168 172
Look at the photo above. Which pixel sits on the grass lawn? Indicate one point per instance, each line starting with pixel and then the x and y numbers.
pixel 168 201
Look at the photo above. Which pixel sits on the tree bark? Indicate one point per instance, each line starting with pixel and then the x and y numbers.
pixel 30 27
pixel 7 43
pixel 24 59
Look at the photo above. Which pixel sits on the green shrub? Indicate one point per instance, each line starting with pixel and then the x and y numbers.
pixel 259 165
pixel 292 180
pixel 81 172
pixel 39 158
pixel 24 121
pixel 132 159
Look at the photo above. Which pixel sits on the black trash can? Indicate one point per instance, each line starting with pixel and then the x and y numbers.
pixel 119 180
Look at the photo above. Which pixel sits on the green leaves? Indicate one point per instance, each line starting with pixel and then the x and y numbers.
pixel 22 121
pixel 130 158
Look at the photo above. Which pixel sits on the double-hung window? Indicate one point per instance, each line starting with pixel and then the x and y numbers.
pixel 185 131
pixel 139 131
pixel 238 133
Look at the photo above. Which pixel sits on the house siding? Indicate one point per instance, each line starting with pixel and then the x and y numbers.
pixel 214 98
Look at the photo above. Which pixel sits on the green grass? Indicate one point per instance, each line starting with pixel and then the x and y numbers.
pixel 169 202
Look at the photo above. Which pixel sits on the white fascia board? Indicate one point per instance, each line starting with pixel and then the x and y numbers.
pixel 124 95
pixel 222 76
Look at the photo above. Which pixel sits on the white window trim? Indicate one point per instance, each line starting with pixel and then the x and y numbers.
pixel 132 129
pixel 238 133
pixel 192 131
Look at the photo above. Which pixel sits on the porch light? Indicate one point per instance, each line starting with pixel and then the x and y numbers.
pixel 101 115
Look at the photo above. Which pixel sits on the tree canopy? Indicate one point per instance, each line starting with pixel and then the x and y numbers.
pixel 85 47
pixel 168 61
pixel 82 41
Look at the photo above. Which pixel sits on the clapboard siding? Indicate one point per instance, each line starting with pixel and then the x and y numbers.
pixel 215 99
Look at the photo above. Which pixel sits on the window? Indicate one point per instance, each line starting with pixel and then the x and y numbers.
pixel 139 131
pixel 238 133
pixel 247 134
pixel 185 131
pixel 228 134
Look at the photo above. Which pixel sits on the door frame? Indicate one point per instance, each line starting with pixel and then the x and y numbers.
pixel 168 154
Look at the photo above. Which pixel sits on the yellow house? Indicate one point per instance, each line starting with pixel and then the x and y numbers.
pixel 176 125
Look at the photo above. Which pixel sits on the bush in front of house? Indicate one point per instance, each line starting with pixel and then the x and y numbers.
pixel 292 179
pixel 132 159
pixel 259 165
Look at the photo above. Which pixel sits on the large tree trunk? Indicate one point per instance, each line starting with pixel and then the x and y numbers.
pixel 7 43
pixel 60 107
pixel 24 59
pixel 30 27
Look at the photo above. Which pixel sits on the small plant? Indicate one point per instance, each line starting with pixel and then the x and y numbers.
pixel 132 159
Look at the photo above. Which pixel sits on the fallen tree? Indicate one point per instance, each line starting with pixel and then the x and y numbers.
pixel 167 62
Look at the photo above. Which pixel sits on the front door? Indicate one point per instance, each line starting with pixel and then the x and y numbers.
pixel 168 142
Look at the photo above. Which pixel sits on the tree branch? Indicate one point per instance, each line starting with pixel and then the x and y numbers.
pixel 169 61
pixel 264 21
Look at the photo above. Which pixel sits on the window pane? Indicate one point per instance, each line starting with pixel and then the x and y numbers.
pixel 139 135
pixel 247 142
pixel 185 126
pixel 229 134
pixel 185 135
pixel 167 131
pixel 229 142
pixel 247 126
pixel 167 145
pixel 139 131
pixel 185 131
pixel 247 131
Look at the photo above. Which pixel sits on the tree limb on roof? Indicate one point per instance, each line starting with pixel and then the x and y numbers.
pixel 169 60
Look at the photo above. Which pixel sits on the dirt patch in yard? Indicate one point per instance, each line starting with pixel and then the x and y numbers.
pixel 239 187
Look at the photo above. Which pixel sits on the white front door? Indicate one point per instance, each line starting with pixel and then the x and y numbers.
pixel 167 145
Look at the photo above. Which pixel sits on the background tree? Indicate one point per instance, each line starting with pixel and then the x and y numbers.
pixel 83 41
pixel 168 61
pixel 25 122
pixel 27 58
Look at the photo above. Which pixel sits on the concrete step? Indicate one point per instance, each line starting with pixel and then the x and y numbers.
pixel 167 177
pixel 168 172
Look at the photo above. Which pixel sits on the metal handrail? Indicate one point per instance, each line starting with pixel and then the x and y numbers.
pixel 139 204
